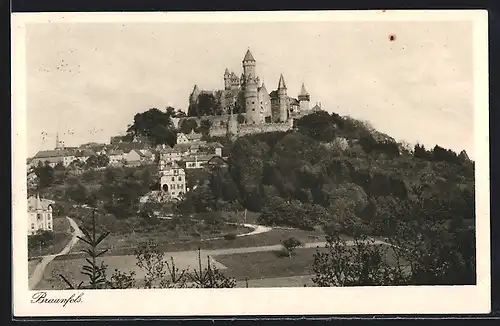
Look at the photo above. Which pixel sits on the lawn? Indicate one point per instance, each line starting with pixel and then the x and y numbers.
pixel 62 235
pixel 32 265
pixel 127 246
pixel 270 264
pixel 125 243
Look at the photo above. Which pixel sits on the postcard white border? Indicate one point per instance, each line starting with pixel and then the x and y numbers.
pixel 255 301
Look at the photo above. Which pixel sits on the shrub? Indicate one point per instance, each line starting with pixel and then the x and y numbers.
pixel 291 244
pixel 230 236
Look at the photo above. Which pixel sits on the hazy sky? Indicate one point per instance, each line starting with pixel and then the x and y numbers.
pixel 83 77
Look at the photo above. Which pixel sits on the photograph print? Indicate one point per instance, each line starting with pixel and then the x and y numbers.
pixel 245 154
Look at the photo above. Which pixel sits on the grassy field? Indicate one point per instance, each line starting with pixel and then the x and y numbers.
pixel 270 264
pixel 127 247
pixel 62 235
pixel 32 265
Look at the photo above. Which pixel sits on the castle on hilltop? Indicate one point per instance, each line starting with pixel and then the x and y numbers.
pixel 247 96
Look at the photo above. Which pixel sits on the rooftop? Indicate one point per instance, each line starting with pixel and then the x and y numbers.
pixel 35 202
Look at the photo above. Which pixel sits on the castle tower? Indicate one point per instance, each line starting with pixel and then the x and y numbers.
pixel 265 103
pixel 248 65
pixel 193 98
pixel 304 99
pixel 283 100
pixel 57 141
pixel 252 101
pixel 232 126
pixel 227 79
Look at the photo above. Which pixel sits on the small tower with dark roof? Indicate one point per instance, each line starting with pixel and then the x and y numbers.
pixel 283 100
pixel 227 79
pixel 304 99
pixel 248 65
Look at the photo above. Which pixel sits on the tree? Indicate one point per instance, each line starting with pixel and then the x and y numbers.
pixel 240 118
pixel 291 244
pixel 92 162
pixel 188 125
pixel 102 160
pixel 319 125
pixel 155 125
pixel 45 174
pixel 360 264
pixel 207 104
pixel 95 272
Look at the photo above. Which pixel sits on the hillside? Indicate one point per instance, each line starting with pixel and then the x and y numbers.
pixel 332 168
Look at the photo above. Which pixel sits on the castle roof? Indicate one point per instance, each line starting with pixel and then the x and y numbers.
pixel 273 94
pixel 263 87
pixel 36 203
pixel 55 153
pixel 248 56
pixel 281 83
pixel 303 91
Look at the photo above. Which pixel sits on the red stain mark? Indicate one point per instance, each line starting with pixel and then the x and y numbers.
pixel 392 37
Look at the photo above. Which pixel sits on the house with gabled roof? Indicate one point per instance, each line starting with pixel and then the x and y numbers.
pixel 172 179
pixel 191 137
pixel 197 161
pixel 54 156
pixel 39 214
pixel 116 156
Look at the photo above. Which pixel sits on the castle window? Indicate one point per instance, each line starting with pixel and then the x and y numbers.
pixel 253 102
pixel 32 226
pixel 39 216
pixel 180 179
pixel 173 179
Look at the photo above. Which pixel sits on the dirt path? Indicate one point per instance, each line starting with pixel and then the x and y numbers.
pixel 230 251
pixel 40 268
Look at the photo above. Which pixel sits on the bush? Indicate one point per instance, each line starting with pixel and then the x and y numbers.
pixel 291 244
pixel 230 236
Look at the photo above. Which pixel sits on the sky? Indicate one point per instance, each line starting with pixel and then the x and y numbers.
pixel 86 81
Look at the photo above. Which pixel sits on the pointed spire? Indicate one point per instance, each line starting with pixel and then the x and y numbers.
pixel 226 72
pixel 248 56
pixel 57 140
pixel 38 203
pixel 281 83
pixel 303 91
pixel 263 87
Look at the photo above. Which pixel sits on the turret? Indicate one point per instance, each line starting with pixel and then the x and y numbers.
pixel 232 126
pixel 227 79
pixel 252 101
pixel 304 99
pixel 248 65
pixel 194 95
pixel 58 143
pixel 283 99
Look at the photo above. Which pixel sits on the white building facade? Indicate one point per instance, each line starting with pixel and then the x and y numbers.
pixel 39 215
pixel 172 179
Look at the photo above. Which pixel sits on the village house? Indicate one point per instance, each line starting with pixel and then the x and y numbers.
pixel 197 161
pixel 147 156
pixel 84 154
pixel 172 179
pixel 133 158
pixel 39 215
pixel 116 157
pixel 192 137
pixel 64 156
pixel 32 180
